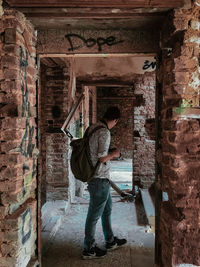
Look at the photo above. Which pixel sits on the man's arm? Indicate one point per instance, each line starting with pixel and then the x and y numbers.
pixel 114 154
pixel 103 147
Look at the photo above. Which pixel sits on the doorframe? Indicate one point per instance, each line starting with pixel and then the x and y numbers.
pixel 158 194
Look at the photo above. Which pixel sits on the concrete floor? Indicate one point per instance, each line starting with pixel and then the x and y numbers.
pixel 128 219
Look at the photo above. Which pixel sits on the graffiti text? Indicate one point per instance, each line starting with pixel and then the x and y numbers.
pixel 90 42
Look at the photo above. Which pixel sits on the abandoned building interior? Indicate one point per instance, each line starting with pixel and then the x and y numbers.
pixel 56 57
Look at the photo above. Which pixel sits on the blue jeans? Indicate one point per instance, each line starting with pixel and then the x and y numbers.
pixel 100 206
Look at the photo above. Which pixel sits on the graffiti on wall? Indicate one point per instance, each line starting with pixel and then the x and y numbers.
pixel 149 64
pixel 26 146
pixel 90 42
pixel 26 225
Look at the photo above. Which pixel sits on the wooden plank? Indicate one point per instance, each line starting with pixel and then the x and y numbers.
pixel 107 83
pixel 92 10
pixel 96 16
pixel 169 3
pixel 76 3
pixel 110 84
pixel 149 208
pixel 48 62
pixel 58 61
pixel 87 15
pixel 99 3
pixel 117 98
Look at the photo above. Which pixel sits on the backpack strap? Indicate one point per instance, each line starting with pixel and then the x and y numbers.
pixel 88 136
pixel 93 131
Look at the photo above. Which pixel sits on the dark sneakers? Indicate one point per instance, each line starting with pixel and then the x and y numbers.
pixel 97 253
pixel 93 253
pixel 115 244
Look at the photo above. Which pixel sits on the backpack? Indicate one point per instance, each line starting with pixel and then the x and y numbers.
pixel 80 161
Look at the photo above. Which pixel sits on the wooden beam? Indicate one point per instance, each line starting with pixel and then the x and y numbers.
pixel 107 55
pixel 105 83
pixel 117 98
pixel 95 3
pixel 63 15
pixel 48 62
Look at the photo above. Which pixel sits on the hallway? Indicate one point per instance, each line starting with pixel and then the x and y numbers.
pixel 128 221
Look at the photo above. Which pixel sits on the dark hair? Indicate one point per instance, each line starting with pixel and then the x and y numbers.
pixel 112 113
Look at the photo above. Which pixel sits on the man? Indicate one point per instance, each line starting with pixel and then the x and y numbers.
pixel 99 187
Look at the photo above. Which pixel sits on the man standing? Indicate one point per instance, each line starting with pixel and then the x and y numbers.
pixel 99 187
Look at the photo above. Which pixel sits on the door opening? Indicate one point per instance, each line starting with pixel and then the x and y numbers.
pixel 131 93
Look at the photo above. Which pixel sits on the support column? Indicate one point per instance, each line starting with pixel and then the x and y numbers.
pixel 18 155
pixel 179 154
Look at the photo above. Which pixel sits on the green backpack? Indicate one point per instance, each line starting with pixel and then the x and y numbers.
pixel 81 164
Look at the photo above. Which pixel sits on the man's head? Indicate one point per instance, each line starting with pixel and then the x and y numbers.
pixel 112 116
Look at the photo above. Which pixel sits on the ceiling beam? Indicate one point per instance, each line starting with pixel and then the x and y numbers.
pixel 99 3
pixel 83 15
pixel 105 83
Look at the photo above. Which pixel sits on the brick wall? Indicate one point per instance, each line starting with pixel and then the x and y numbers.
pixel 134 135
pixel 54 144
pixel 144 130
pixel 18 154
pixel 122 133
pixel 179 168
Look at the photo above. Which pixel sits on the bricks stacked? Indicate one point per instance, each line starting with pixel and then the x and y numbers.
pixel 122 133
pixel 144 137
pixel 133 135
pixel 57 177
pixel 54 144
pixel 179 170
pixel 18 140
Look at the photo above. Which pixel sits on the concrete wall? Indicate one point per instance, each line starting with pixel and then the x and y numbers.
pixel 18 154
pixel 95 41
pixel 179 143
pixel 114 65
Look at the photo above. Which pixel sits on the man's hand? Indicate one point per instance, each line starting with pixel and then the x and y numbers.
pixel 115 153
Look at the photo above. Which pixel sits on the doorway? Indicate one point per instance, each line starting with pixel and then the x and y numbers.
pixel 130 97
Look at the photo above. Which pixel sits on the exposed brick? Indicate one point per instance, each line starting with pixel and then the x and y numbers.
pixel 182 77
pixel 11 74
pixel 10 36
pixel 10 61
pixel 18 138
pixel 180 145
pixel 9 134
pixel 11 49
pixel 14 24
pixel 10 86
